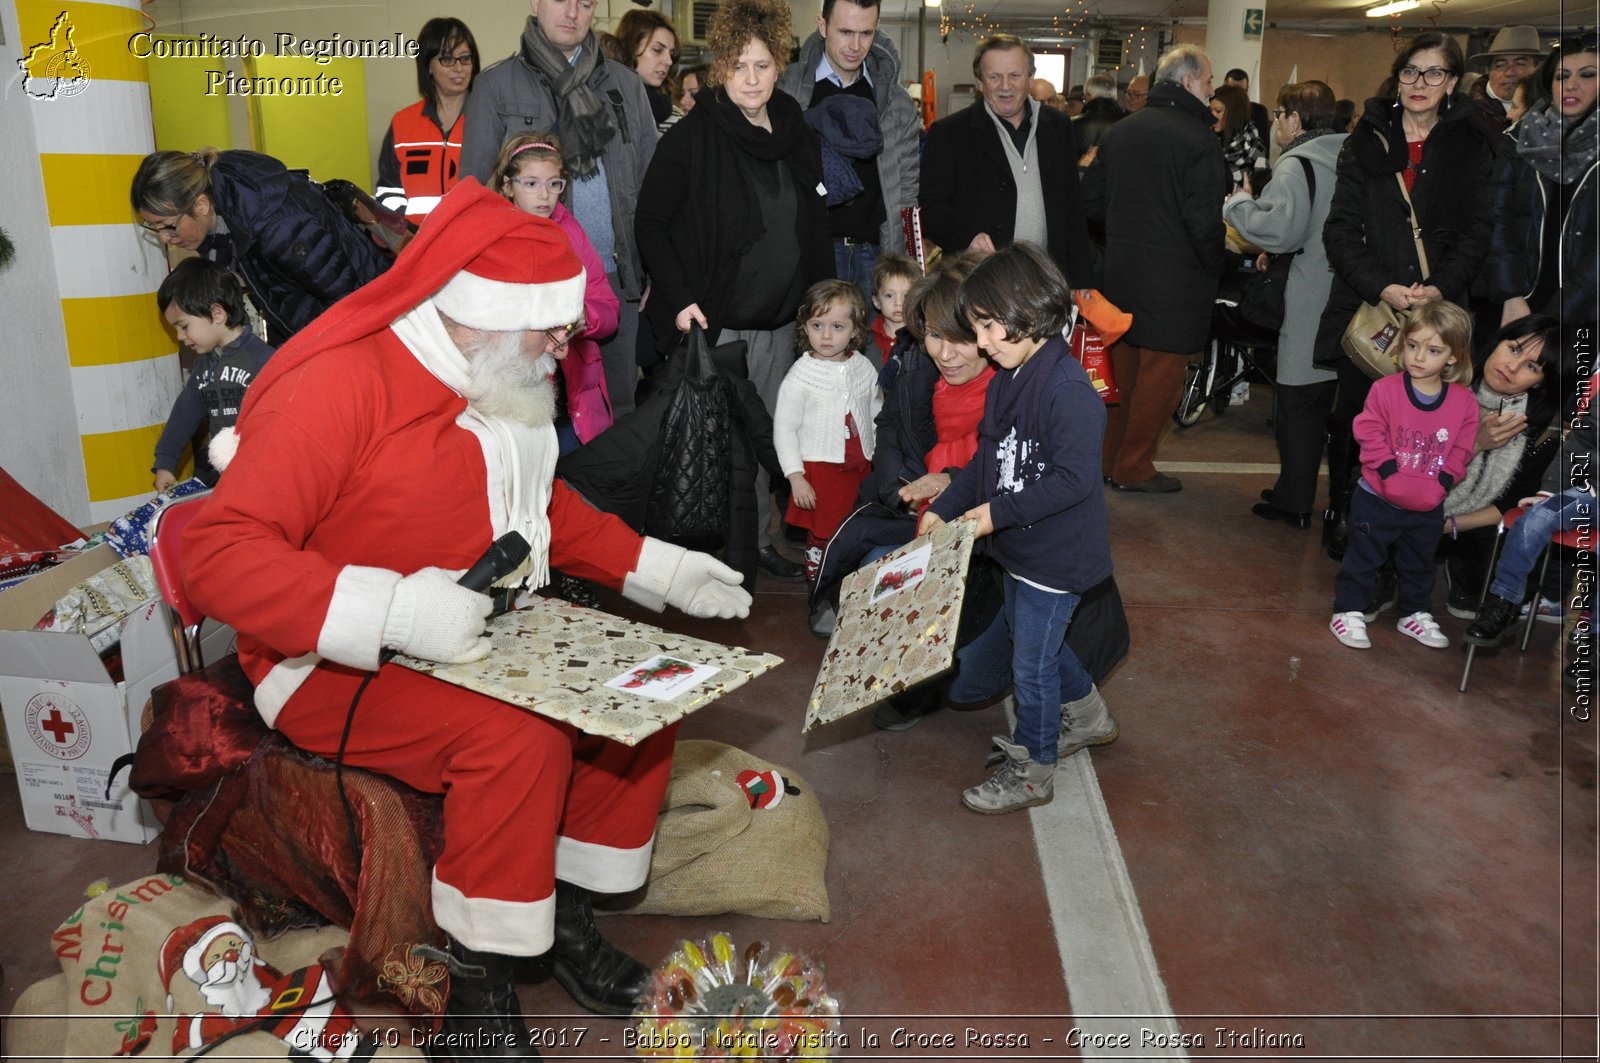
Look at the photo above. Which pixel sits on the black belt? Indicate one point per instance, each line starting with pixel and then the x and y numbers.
pixel 851 241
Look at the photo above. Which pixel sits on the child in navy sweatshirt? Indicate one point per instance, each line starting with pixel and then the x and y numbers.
pixel 205 307
pixel 1034 490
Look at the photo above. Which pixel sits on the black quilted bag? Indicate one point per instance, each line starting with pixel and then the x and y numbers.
pixel 690 492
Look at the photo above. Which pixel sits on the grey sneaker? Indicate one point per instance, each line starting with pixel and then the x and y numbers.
pixel 1085 722
pixel 1020 782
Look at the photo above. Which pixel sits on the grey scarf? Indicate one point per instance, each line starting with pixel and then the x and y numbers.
pixel 1562 158
pixel 1490 471
pixel 1308 134
pixel 584 122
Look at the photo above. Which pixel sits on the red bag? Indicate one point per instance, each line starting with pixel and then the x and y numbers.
pixel 1091 351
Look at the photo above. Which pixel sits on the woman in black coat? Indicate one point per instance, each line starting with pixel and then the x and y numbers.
pixel 1417 131
pixel 1542 255
pixel 271 226
pixel 731 223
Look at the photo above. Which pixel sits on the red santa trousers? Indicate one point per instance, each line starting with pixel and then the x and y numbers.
pixel 526 799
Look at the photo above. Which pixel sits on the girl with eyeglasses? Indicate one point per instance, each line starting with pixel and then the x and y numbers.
pixel 531 173
pixel 420 159
pixel 1415 139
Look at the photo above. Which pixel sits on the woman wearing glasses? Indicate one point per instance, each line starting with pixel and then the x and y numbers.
pixel 531 173
pixel 1287 219
pixel 272 227
pixel 1415 140
pixel 420 159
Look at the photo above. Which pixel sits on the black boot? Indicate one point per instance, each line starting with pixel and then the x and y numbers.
pixel 483 1020
pixel 1342 473
pixel 1489 629
pixel 595 972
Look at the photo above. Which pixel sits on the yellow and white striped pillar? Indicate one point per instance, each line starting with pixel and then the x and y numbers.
pixel 90 104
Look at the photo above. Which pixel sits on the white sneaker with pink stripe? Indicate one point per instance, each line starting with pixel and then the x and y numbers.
pixel 1350 629
pixel 1423 628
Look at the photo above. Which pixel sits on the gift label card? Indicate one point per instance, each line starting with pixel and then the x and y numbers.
pixel 662 677
pixel 902 575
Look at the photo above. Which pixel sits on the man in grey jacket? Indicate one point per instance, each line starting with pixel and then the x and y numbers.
pixel 847 56
pixel 559 82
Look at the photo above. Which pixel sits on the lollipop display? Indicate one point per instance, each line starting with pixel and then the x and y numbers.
pixel 709 1001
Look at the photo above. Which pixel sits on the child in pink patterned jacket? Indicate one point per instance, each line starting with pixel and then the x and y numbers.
pixel 1417 433
pixel 530 172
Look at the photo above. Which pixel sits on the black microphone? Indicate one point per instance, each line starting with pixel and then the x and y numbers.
pixel 502 558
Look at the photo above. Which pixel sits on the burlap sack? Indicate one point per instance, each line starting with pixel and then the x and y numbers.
pixel 715 854
pixel 131 962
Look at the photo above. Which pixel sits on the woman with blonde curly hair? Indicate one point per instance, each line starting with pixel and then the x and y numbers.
pixel 731 222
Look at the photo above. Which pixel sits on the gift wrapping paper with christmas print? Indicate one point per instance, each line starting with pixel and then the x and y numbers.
pixel 897 624
pixel 576 665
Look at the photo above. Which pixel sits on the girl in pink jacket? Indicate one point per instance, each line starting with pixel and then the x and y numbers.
pixel 531 174
pixel 1417 432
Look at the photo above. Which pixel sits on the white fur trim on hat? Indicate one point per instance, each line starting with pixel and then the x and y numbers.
pixel 501 306
pixel 223 446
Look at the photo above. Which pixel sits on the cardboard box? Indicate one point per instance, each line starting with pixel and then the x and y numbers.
pixel 66 719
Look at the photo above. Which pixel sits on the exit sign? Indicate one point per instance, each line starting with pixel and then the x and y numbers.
pixel 1254 19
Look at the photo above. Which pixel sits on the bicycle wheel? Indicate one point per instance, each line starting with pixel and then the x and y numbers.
pixel 1198 382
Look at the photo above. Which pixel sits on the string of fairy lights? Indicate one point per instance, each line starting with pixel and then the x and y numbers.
pixel 1075 19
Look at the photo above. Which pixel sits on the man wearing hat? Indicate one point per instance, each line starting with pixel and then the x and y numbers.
pixel 1514 54
pixel 384 449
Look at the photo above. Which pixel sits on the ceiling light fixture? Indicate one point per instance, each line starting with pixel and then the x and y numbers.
pixel 1392 8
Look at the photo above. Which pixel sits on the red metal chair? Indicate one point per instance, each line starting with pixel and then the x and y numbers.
pixel 166 541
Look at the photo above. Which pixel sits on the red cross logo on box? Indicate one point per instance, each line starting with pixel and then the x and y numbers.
pixel 57 726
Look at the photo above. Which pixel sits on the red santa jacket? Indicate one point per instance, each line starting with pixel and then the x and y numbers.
pixel 352 469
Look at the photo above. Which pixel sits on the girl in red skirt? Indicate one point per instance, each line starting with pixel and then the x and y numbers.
pixel 822 427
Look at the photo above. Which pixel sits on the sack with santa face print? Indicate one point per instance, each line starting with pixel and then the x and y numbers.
pixel 162 968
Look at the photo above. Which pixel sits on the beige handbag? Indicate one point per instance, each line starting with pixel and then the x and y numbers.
pixel 1375 328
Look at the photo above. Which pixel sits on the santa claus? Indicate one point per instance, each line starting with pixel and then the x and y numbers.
pixel 379 454
pixel 218 956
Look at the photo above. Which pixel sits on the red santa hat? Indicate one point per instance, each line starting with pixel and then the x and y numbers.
pixel 184 947
pixel 485 264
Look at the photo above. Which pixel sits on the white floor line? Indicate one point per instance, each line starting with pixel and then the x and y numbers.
pixel 1118 997
pixel 1270 468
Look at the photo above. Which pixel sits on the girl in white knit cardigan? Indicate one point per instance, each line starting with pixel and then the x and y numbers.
pixel 823 427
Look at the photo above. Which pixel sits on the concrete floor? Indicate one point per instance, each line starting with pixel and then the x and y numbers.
pixel 1321 842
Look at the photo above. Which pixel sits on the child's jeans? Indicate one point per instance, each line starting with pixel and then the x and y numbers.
pixel 1375 524
pixel 1528 537
pixel 1045 672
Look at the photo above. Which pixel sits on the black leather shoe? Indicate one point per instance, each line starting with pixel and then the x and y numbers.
pixel 1268 511
pixel 1489 629
pixel 1159 484
pixel 483 1020
pixel 1266 494
pixel 778 567
pixel 597 974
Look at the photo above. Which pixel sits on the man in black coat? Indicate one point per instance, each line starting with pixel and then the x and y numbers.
pixel 1157 186
pixel 979 189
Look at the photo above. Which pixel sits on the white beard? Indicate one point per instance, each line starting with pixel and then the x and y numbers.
pixel 233 988
pixel 503 383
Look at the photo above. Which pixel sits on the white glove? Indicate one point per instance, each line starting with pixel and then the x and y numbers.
pixel 434 618
pixel 704 586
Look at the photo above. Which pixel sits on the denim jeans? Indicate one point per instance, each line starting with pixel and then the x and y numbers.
pixel 853 263
pixel 1045 672
pixel 1572 508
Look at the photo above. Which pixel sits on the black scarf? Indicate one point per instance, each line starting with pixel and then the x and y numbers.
pixel 584 122
pixel 783 114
